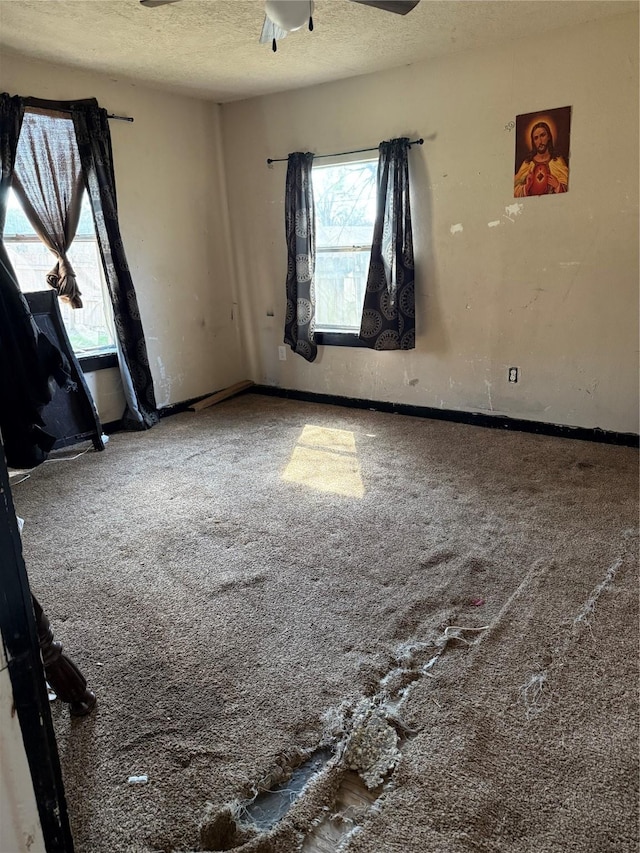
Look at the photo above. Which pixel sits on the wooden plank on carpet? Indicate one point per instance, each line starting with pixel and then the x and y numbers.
pixel 231 391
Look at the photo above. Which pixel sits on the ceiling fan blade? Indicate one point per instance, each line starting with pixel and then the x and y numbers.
pixel 271 31
pixel 400 7
pixel 151 4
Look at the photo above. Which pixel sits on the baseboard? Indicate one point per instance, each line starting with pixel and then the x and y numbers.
pixel 627 439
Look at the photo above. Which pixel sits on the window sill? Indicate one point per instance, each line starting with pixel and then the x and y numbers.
pixel 98 361
pixel 338 339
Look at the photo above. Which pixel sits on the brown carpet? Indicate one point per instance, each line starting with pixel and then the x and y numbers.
pixel 233 583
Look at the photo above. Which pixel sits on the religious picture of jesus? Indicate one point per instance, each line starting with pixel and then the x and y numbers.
pixel 542 152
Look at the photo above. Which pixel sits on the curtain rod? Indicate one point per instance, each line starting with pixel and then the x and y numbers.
pixel 340 153
pixel 61 107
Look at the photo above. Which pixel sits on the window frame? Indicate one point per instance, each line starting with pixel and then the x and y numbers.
pixel 337 339
pixel 342 336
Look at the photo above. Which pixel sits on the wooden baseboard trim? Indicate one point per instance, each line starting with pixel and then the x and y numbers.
pixel 231 391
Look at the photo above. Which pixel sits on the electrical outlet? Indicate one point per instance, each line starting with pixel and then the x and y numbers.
pixel 282 353
pixel 513 374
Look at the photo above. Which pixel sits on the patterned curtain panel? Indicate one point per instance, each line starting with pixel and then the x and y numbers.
pixel 388 316
pixel 301 246
pixel 94 143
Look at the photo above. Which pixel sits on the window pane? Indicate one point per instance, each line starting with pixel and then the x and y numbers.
pixel 88 327
pixel 345 206
pixel 345 203
pixel 341 278
pixel 16 222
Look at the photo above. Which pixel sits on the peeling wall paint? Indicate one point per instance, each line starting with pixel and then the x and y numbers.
pixel 488 384
pixel 512 211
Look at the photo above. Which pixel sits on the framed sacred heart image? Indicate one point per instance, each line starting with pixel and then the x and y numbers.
pixel 542 153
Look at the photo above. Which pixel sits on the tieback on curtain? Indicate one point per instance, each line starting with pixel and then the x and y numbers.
pixel 62 279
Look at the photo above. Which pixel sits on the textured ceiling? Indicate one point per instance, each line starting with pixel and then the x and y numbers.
pixel 209 48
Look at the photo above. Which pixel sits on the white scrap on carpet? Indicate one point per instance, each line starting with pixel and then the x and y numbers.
pixel 590 604
pixel 532 694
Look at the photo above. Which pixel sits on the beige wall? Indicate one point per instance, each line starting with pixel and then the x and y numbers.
pixel 549 285
pixel 171 200
pixel 105 386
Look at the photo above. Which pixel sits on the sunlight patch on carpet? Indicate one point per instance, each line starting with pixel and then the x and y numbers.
pixel 330 439
pixel 326 460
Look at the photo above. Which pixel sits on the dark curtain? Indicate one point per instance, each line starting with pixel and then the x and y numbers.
pixel 29 365
pixel 29 362
pixel 94 144
pixel 11 114
pixel 388 316
pixel 301 248
pixel 48 181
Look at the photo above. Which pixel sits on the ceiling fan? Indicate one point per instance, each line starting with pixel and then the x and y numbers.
pixel 286 16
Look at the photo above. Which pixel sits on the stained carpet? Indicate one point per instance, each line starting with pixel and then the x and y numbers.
pixel 247 584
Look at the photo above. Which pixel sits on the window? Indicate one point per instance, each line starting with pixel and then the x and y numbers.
pixel 89 328
pixel 345 209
